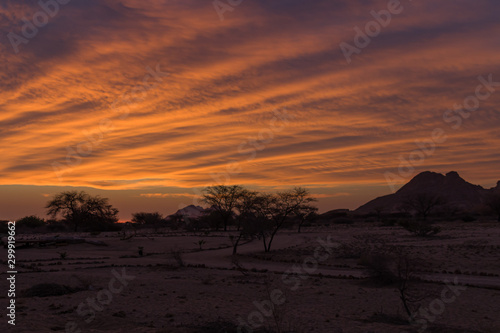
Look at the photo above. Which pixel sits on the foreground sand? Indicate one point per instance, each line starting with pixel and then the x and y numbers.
pixel 162 296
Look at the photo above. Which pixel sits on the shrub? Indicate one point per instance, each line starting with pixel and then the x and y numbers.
pixel 177 255
pixel 30 222
pixel 84 282
pixel 380 267
pixel 380 317
pixel 398 269
pixel 420 228
pixel 100 226
pixel 468 218
pixel 221 326
pixel 200 243
pixel 342 220
pixel 389 222
pixel 56 226
pixel 48 289
pixel 148 218
pixel 4 228
pixel 199 223
pixel 353 250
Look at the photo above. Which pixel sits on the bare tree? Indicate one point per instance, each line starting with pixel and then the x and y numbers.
pixel 405 275
pixel 246 221
pixel 393 266
pixel 423 204
pixel 273 210
pixel 224 200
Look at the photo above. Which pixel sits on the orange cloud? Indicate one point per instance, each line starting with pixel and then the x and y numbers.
pixel 166 195
pixel 211 119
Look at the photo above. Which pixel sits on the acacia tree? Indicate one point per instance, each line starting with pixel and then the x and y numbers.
pixel 245 207
pixel 79 207
pixel 223 199
pixel 273 210
pixel 247 223
pixel 68 204
pixel 305 214
pixel 97 212
pixel 250 227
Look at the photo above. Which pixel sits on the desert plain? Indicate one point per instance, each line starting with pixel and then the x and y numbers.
pixel 319 280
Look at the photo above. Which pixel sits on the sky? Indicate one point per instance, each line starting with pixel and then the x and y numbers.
pixel 148 101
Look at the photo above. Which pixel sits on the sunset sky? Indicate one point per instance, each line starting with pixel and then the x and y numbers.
pixel 147 101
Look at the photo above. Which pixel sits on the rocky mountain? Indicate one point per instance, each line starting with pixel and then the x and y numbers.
pixel 457 193
pixel 190 211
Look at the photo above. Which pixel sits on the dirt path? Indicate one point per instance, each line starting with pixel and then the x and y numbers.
pixel 222 259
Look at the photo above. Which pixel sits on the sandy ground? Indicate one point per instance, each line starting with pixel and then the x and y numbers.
pixel 159 295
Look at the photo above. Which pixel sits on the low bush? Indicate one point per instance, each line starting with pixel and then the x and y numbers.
pixel 389 222
pixel 48 289
pixel 420 228
pixel 468 218
pixel 54 226
pixel 380 267
pixel 30 222
pixel 177 256
pixel 221 326
pixel 342 220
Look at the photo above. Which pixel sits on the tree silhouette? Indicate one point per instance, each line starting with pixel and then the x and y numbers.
pixel 305 214
pixel 223 199
pixel 147 218
pixel 423 204
pixel 246 220
pixel 79 207
pixel 273 210
pixel 245 207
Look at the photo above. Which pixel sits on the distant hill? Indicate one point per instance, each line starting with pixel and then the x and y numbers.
pixel 331 214
pixel 190 211
pixel 456 192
